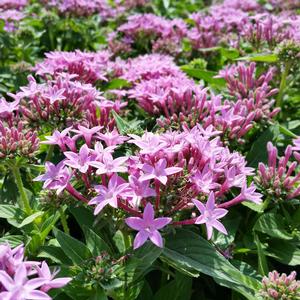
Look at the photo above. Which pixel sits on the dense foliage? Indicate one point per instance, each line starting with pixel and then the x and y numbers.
pixel 149 149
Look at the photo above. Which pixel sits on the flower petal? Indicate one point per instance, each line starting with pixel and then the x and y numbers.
pixel 156 238
pixel 140 239
pixel 135 223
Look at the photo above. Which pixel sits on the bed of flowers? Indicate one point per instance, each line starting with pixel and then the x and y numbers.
pixel 149 149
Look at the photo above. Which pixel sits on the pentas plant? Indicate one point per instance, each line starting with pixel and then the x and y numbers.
pixel 279 179
pixel 21 279
pixel 90 67
pixel 146 32
pixel 181 102
pixel 64 101
pixel 167 176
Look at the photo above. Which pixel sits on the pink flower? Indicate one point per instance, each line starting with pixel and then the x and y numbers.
pixel 248 193
pixel 108 195
pixel 210 215
pixel 20 287
pixel 138 190
pixel 147 227
pixel 6 108
pixel 87 133
pixel 79 160
pixel 109 165
pixel 56 177
pixel 159 171
pixel 58 138
pixel 51 282
pixel 112 138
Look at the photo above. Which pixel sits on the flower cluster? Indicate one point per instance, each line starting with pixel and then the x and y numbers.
pixel 146 32
pixel 11 13
pixel 180 101
pixel 169 174
pixel 277 286
pixel 90 67
pixel 21 279
pixel 17 141
pixel 64 101
pixel 280 178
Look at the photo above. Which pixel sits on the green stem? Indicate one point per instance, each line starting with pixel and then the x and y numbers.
pixel 24 201
pixel 49 153
pixel 282 86
pixel 63 220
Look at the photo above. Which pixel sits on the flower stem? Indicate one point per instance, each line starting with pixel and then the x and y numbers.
pixel 282 86
pixel 157 190
pixel 63 220
pixel 24 201
pixel 76 194
pixel 49 153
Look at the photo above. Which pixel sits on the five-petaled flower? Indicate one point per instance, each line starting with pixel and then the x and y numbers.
pixel 210 215
pixel 147 227
pixel 159 171
pixel 109 195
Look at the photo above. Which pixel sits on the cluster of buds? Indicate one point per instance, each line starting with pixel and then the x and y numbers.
pixel 182 103
pixel 267 29
pixel 21 279
pixel 175 171
pixel 90 67
pixel 276 287
pixel 253 93
pixel 279 178
pixel 64 102
pixel 150 32
pixel 17 141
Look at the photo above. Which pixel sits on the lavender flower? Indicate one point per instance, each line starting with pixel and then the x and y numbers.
pixel 210 215
pixel 147 227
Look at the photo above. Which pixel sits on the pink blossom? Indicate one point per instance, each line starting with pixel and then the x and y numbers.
pixel 159 171
pixel 81 160
pixel 147 227
pixel 210 215
pixel 56 177
pixel 108 195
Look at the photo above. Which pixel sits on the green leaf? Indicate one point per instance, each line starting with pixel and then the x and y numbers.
pixel 178 289
pixel 258 152
pixel 254 206
pixel 98 295
pixel 117 83
pixel 188 252
pixel 207 76
pixel 94 242
pixel 287 132
pixel 262 261
pixel 29 219
pixel 74 249
pixel 10 211
pixel 122 125
pixel 272 224
pixel 258 57
pixel 284 251
pixel 56 254
pixel 229 53
pixel 12 240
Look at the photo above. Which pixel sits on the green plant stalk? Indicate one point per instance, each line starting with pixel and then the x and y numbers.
pixel 282 86
pixel 49 153
pixel 63 220
pixel 24 201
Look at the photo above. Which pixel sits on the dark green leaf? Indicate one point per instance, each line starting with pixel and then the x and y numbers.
pixel 74 249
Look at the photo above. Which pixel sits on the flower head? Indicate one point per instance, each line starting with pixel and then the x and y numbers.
pixel 210 215
pixel 56 177
pixel 147 227
pixel 109 195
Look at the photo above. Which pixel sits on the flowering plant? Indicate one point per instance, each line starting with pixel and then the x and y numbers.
pixel 149 150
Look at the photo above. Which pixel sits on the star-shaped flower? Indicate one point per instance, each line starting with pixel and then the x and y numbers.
pixel 79 160
pixel 159 171
pixel 109 195
pixel 210 215
pixel 147 227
